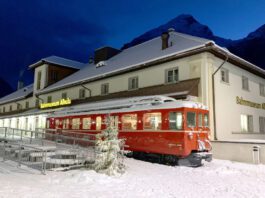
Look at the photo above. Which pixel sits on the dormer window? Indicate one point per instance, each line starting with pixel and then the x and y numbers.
pixel 101 63
pixel 38 80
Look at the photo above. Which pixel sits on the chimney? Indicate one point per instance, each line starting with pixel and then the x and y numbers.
pixel 105 53
pixel 164 38
pixel 20 84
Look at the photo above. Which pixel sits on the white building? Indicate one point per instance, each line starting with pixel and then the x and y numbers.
pixel 176 65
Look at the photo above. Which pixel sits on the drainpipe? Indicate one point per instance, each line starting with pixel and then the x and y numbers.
pixel 214 113
pixel 87 89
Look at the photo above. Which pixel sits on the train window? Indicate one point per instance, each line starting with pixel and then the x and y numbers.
pixel 66 123
pixel 129 122
pixel 206 120
pixel 152 121
pixel 191 119
pixel 57 123
pixel 76 123
pixel 175 120
pixel 98 123
pixel 200 120
pixel 86 123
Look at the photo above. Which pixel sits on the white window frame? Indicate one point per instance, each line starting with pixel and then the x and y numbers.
pixel 224 75
pixel 174 77
pixel 245 83
pixel 262 89
pixel 133 83
pixel 105 89
pixel 246 122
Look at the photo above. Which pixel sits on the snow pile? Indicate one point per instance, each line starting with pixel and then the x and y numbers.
pixel 142 179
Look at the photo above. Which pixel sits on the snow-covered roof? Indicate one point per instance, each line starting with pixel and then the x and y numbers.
pixel 59 61
pixel 132 57
pixel 17 95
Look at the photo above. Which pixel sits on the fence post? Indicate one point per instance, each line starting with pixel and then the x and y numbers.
pixel 31 133
pixel 44 156
pixel 5 131
pixel 19 154
pixel 13 134
pixel 4 156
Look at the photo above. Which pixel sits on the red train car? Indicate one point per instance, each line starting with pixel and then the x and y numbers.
pixel 176 131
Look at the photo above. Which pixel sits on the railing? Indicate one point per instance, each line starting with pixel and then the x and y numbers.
pixel 44 148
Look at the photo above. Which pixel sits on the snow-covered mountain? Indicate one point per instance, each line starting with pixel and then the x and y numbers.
pixel 251 48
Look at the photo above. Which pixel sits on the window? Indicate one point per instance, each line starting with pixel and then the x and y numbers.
pixel 49 99
pixel 225 75
pixel 86 123
pixel 66 123
pixel 105 89
pixel 246 123
pixel 10 108
pixel 98 123
pixel 172 75
pixel 191 119
pixel 4 109
pixel 64 95
pixel 261 89
pixel 133 83
pixel 175 120
pixel 37 102
pixel 152 121
pixel 57 124
pixel 82 93
pixel 245 83
pixel 262 124
pixel 206 120
pixel 114 121
pixel 129 122
pixel 75 123
pixel 200 120
pixel 27 105
pixel 38 80
pixel 54 75
pixel 18 106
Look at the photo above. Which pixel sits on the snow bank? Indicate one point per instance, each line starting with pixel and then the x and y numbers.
pixel 216 179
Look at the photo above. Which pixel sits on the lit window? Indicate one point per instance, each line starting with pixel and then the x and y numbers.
pixel 133 83
pixel 98 123
pixel 66 123
pixel 246 123
pixel 82 93
pixel 245 83
pixel 86 123
pixel 129 122
pixel 57 124
pixel 152 121
pixel 225 75
pixel 206 120
pixel 262 89
pixel 105 89
pixel 172 75
pixel 175 120
pixel 262 124
pixel 76 123
pixel 191 119
pixel 114 121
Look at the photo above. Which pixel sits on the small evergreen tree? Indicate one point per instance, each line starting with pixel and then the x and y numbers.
pixel 108 150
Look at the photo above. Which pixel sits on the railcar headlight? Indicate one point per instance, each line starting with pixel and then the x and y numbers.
pixel 190 135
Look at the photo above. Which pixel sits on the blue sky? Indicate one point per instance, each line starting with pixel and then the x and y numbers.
pixel 33 29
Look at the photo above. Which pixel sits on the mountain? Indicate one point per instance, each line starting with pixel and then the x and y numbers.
pixel 250 48
pixel 5 88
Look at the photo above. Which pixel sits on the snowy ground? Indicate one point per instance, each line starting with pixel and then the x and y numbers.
pixel 142 179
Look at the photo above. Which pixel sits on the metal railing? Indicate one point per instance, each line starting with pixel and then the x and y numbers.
pixel 44 148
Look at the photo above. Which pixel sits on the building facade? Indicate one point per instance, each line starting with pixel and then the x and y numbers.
pixel 176 65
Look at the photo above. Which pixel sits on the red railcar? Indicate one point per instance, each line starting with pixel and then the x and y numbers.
pixel 158 125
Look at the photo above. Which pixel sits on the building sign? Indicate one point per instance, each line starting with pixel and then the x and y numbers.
pixel 241 101
pixel 59 103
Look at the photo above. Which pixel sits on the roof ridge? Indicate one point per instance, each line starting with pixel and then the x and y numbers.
pixel 63 58
pixel 191 37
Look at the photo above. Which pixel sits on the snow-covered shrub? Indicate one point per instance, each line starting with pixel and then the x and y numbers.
pixel 109 151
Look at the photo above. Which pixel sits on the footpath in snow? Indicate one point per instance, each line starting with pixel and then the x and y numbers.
pixel 142 179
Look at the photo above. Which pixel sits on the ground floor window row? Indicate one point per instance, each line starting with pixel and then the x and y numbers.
pixel 246 122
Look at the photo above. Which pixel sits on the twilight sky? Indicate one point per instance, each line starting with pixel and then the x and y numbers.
pixel 33 29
